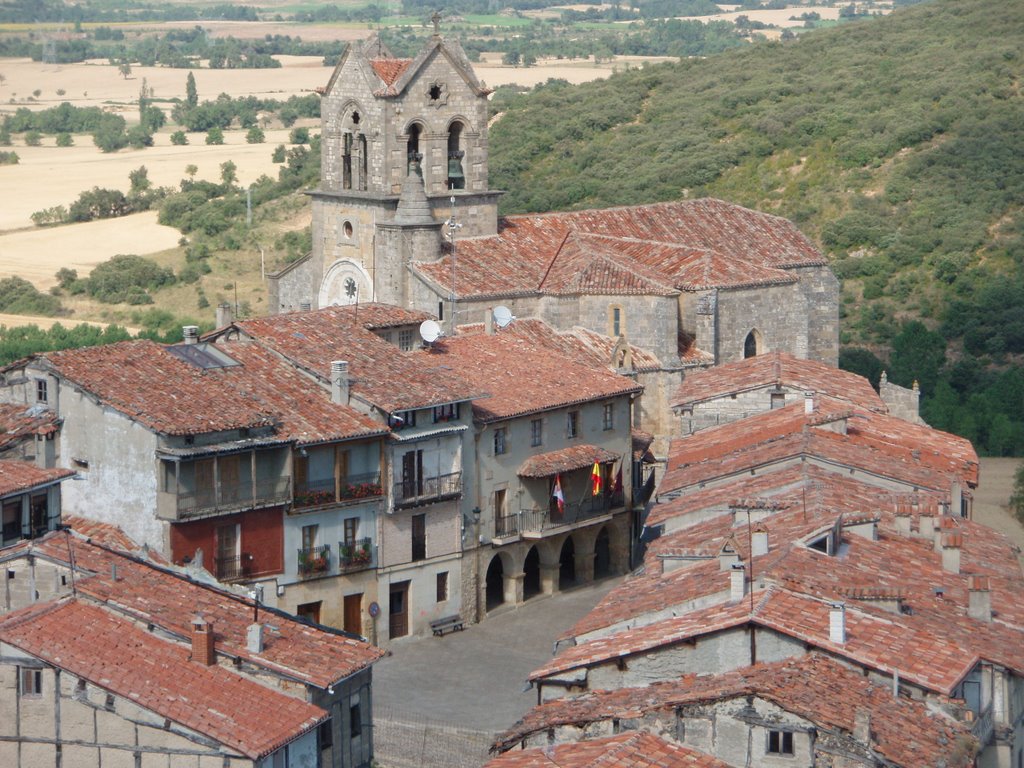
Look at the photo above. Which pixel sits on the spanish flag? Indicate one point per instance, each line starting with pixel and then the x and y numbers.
pixel 595 479
pixel 557 495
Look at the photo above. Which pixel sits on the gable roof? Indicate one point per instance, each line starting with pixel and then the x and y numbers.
pixel 636 749
pixel 112 653
pixel 19 421
pixel 655 249
pixel 20 476
pixel 780 369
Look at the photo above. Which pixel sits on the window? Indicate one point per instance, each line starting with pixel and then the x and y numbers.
pixel 608 416
pixel 780 743
pixel 536 432
pixel 11 520
pixel 572 428
pixel 440 311
pixel 31 682
pixel 499 503
pixel 449 412
pixel 412 474
pixel 499 441
pixel 309 533
pixel 355 720
pixel 419 537
pixel 309 611
pixel 351 530
pixel 615 321
pixel 405 339
pixel 442 586
pixel 41 393
pixel 402 420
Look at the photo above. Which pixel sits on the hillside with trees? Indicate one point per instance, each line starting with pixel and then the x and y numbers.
pixel 897 144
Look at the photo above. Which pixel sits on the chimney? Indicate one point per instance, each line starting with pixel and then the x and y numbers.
pixel 737 582
pixel 114 576
pixel 951 543
pixel 862 726
pixel 727 557
pixel 926 526
pixel 979 596
pixel 305 306
pixel 191 333
pixel 808 402
pixel 339 382
pixel 254 638
pixel 488 321
pixel 202 642
pixel 224 316
pixel 837 622
pixel 903 523
pixel 759 541
pixel 956 500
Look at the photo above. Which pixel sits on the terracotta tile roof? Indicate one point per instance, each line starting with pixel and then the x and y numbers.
pixel 109 536
pixel 144 381
pixel 18 476
pixel 778 368
pixel 875 443
pixel 18 422
pixel 637 749
pixel 380 373
pixel 565 460
pixel 521 374
pixel 813 687
pixel 685 245
pixel 389 70
pixel 144 591
pixel 110 652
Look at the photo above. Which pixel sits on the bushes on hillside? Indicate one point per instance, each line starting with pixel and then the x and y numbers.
pixel 125 278
pixel 19 297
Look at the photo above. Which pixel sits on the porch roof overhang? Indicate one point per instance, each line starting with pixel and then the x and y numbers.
pixel 220 449
pixel 565 460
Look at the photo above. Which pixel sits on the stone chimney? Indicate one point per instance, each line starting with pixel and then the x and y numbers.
pixel 926 526
pixel 808 402
pixel 903 520
pixel 191 333
pixel 489 321
pixel 202 642
pixel 339 382
pixel 254 638
pixel 837 622
pixel 224 315
pixel 862 726
pixel 759 540
pixel 951 542
pixel 727 557
pixel 979 597
pixel 737 582
pixel 956 499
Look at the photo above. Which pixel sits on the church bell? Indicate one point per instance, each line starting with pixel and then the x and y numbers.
pixel 456 178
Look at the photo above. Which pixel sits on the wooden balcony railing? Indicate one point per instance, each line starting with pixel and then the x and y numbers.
pixel 231 497
pixel 424 490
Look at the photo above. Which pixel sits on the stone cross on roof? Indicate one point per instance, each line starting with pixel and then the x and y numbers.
pixel 436 20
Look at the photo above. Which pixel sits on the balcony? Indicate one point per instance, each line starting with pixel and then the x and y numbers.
pixel 984 727
pixel 314 561
pixel 233 568
pixel 227 497
pixel 357 556
pixel 424 490
pixel 319 493
pixel 536 521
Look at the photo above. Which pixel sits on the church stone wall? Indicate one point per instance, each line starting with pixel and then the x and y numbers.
pixel 821 292
pixel 777 312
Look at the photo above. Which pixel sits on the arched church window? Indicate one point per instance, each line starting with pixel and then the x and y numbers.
pixel 363 162
pixel 456 175
pixel 413 151
pixel 752 344
pixel 346 161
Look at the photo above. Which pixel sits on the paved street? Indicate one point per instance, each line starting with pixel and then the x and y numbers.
pixel 467 685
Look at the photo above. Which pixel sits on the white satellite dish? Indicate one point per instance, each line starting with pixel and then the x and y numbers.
pixel 430 331
pixel 503 316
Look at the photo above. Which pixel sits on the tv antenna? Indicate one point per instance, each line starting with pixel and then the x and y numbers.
pixel 430 331
pixel 502 316
pixel 453 225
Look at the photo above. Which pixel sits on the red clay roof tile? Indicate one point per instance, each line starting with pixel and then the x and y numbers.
pixel 637 749
pixel 20 476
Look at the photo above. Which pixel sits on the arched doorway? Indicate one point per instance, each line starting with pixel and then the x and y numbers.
pixel 531 574
pixel 567 564
pixel 495 583
pixel 752 345
pixel 602 555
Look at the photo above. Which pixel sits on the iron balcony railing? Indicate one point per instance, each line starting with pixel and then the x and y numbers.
pixel 423 490
pixel 355 556
pixel 538 520
pixel 234 567
pixel 314 561
pixel 318 493
pixel 984 727
pixel 234 496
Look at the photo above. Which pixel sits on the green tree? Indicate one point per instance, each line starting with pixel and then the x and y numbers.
pixel 215 135
pixel 254 136
pixel 33 138
pixel 299 136
pixel 191 94
pixel 139 137
pixel 228 173
pixel 179 139
pixel 139 179
pixel 124 68
pixel 191 170
pixel 64 139
pixel 279 154
pixel 1017 497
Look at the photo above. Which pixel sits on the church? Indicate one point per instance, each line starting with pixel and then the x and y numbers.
pixel 404 215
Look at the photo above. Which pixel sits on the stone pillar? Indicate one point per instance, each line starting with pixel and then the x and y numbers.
pixel 549 579
pixel 514 588
pixel 584 568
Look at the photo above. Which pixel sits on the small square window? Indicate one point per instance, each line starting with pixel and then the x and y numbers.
pixel 443 413
pixel 572 428
pixel 780 742
pixel 42 395
pixel 608 416
pixel 442 586
pixel 405 339
pixel 536 432
pixel 499 441
pixel 31 682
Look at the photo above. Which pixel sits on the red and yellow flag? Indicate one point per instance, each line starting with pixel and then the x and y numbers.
pixel 595 479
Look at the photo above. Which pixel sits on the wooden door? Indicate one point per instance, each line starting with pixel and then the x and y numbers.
pixel 354 614
pixel 398 610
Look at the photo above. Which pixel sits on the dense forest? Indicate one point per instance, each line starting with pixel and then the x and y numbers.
pixel 895 143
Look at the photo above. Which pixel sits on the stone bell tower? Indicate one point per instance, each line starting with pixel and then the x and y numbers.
pixel 384 119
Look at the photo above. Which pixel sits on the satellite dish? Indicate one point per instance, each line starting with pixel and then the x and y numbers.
pixel 430 331
pixel 503 316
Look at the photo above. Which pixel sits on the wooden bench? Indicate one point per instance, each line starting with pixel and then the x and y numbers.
pixel 446 624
